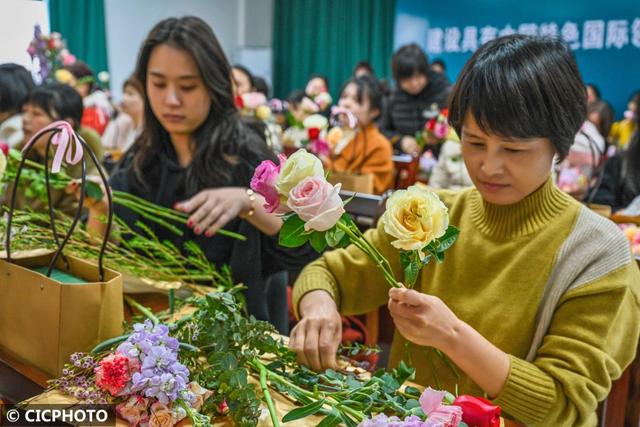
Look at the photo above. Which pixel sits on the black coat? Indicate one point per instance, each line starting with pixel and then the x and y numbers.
pixel 612 190
pixel 251 261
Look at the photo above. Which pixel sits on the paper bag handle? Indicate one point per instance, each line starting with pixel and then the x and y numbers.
pixel 61 135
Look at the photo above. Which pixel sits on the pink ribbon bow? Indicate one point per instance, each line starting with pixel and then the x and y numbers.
pixel 337 111
pixel 61 139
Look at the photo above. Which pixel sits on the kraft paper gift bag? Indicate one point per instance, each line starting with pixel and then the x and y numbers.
pixel 52 305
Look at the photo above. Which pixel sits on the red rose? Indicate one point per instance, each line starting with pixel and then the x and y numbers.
pixel 478 412
pixel 314 133
pixel 431 124
pixel 445 112
pixel 52 44
pixel 4 147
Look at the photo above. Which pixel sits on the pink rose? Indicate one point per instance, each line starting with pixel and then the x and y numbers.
pixel 320 147
pixel 445 416
pixel 317 203
pixel 134 410
pixel 114 372
pixel 264 182
pixel 441 130
pixel 161 416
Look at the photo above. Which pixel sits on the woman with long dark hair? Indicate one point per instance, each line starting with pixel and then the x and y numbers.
pixel 195 154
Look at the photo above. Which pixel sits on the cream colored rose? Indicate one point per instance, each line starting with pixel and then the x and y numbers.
pixel 315 121
pixel 415 217
pixel 263 112
pixel 300 165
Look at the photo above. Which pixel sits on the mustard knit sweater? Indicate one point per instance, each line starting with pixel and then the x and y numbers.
pixel 546 280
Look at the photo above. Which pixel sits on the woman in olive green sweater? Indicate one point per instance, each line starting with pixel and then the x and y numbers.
pixel 538 302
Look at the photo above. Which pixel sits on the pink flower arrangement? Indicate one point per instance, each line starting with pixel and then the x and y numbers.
pixel 437 413
pixel 264 182
pixel 50 51
pixel 436 129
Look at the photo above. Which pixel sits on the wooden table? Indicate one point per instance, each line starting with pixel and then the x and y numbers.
pixel 20 382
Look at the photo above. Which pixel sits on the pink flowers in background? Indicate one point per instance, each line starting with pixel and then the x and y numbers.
pixel 49 52
pixel 317 203
pixel 633 235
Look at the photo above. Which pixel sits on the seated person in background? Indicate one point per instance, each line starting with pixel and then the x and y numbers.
pixel 47 104
pixel 261 86
pixel 593 93
pixel 418 91
pixel 368 151
pixel 318 90
pixel 621 180
pixel 97 107
pixel 16 85
pixel 243 81
pixel 600 114
pixel 538 302
pixel 450 173
pixel 363 67
pixel 577 172
pixel 122 131
pixel 622 130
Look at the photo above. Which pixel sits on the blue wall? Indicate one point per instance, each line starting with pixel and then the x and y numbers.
pixel 605 36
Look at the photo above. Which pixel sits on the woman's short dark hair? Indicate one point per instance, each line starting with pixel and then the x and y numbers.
pixel 522 87
pixel 367 85
pixel 295 97
pixel 409 60
pixel 16 85
pixel 59 101
pixel 244 70
pixel 223 141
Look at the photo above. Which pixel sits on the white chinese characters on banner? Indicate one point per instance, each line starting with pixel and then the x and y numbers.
pixel 596 34
pixel 571 35
pixel 452 39
pixel 593 34
pixel 617 33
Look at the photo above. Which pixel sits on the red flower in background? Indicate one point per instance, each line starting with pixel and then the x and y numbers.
pixel 431 124
pixel 4 147
pixel 478 412
pixel 239 102
pixel 314 133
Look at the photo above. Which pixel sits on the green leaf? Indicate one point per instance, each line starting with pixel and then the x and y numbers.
pixel 304 411
pixel 93 190
pixel 331 420
pixel 334 236
pixel 403 372
pixel 318 241
pixel 448 239
pixel 411 272
pixel 292 233
pixel 344 242
pixel 347 220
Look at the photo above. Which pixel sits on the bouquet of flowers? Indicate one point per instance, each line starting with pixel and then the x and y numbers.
pixel 143 377
pixel 254 104
pixel 313 212
pixel 323 99
pixel 436 129
pixel 344 129
pixel 49 53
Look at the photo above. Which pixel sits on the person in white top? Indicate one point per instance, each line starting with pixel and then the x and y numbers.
pixel 122 132
pixel 450 172
pixel 16 85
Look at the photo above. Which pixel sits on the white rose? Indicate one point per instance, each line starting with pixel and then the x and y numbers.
pixel 315 121
pixel 300 165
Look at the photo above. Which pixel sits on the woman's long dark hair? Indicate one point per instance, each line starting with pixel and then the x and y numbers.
pixel 220 142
